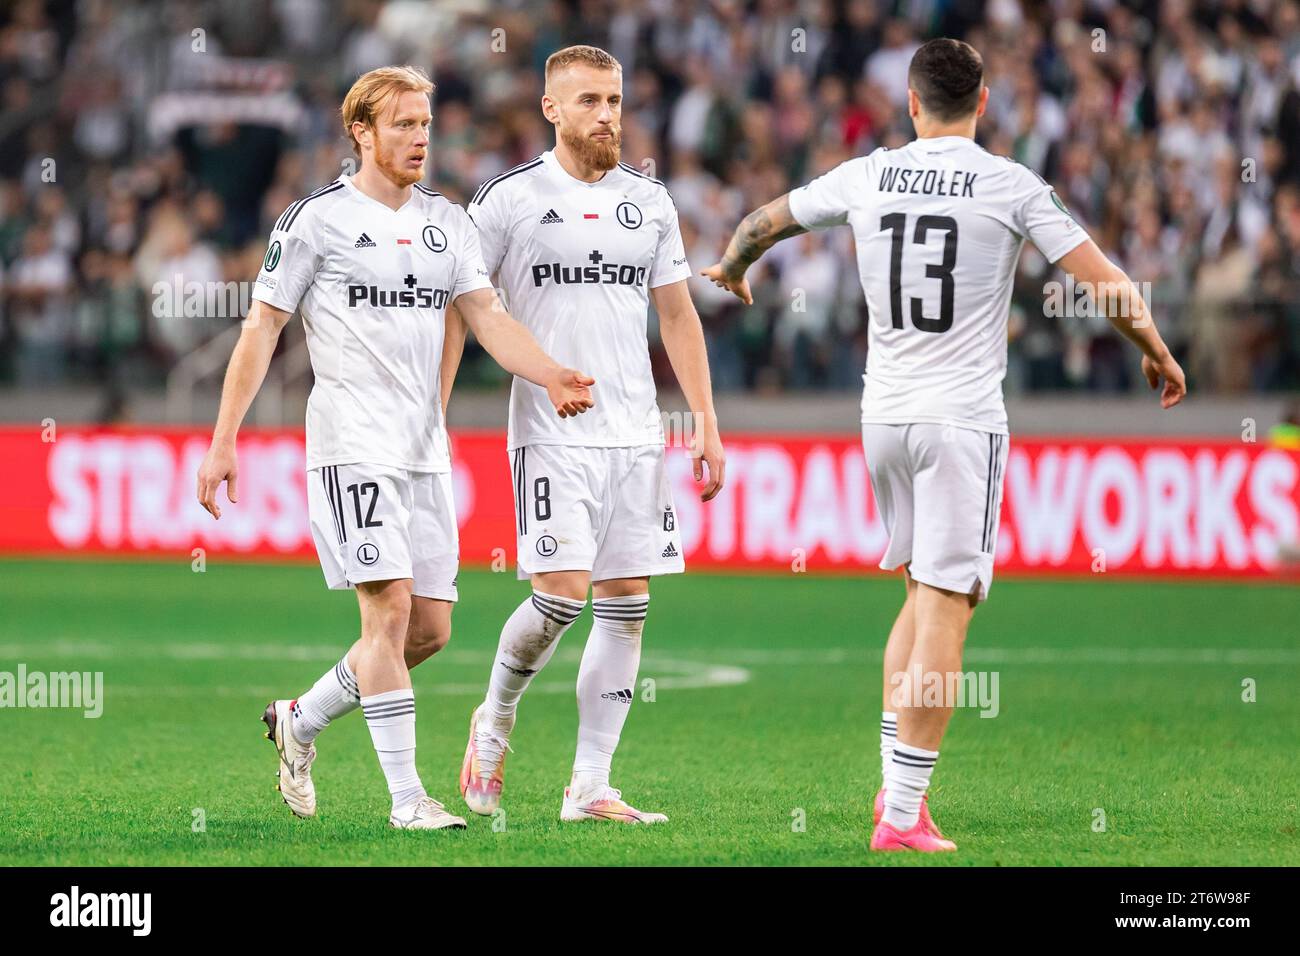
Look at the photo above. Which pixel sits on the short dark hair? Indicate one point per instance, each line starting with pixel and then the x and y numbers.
pixel 947 75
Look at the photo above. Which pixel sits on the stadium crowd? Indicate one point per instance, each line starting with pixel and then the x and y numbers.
pixel 143 141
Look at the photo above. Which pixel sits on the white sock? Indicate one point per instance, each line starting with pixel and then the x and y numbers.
pixel 888 734
pixel 334 695
pixel 606 678
pixel 391 719
pixel 906 783
pixel 528 640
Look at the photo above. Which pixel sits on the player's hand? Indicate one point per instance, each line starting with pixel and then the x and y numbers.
pixel 570 392
pixel 219 464
pixel 706 450
pixel 737 286
pixel 1169 370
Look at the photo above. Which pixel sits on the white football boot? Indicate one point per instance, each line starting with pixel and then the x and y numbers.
pixel 294 774
pixel 487 747
pixel 604 803
pixel 425 814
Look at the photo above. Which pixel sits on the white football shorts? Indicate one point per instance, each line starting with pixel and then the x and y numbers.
pixel 939 492
pixel 604 510
pixel 378 523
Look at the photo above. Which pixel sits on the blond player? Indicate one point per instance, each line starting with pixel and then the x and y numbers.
pixel 582 245
pixel 372 262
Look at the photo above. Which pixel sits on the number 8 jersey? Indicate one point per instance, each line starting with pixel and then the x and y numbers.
pixel 938 226
pixel 576 262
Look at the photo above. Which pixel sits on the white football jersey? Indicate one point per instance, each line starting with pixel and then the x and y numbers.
pixel 576 262
pixel 938 225
pixel 372 285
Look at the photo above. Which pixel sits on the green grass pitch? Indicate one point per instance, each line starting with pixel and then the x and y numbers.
pixel 1116 698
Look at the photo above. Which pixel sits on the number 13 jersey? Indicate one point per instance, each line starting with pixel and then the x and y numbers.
pixel 938 226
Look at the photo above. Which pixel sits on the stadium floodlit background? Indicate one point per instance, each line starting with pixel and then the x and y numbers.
pixel 1144 624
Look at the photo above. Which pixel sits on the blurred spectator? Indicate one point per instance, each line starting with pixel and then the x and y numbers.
pixel 887 67
pixel 802 335
pixel 38 288
pixel 180 272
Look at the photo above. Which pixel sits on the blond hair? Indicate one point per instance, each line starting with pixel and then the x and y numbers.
pixel 373 91
pixel 588 55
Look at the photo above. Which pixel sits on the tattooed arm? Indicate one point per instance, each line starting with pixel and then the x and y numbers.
pixel 759 231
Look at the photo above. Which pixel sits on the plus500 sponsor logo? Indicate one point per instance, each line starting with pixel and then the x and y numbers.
pixel 396 298
pixel 608 273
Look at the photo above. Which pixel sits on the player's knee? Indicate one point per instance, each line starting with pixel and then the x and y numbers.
pixel 386 623
pixel 570 585
pixel 424 641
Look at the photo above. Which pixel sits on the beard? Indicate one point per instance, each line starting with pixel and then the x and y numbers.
pixel 389 166
pixel 592 153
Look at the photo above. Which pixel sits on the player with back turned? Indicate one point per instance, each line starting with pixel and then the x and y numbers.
pixel 373 262
pixel 939 225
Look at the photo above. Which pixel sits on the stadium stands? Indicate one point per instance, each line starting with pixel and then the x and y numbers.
pixel 145 149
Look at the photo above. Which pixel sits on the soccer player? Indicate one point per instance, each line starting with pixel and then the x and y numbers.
pixel 373 261
pixel 581 243
pixel 939 225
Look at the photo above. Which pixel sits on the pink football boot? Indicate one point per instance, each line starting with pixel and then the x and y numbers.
pixel 928 820
pixel 886 837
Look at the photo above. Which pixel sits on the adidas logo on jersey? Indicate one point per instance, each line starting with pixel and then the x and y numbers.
pixel 622 696
pixel 365 242
pixel 669 552
pixel 550 216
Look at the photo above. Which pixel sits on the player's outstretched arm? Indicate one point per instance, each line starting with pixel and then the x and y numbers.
pixel 516 351
pixel 244 375
pixel 759 231
pixel 453 347
pixel 1115 292
pixel 683 335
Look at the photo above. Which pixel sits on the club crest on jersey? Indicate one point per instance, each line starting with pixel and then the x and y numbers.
pixel 1056 200
pixel 628 215
pixel 599 273
pixel 434 238
pixel 367 554
pixel 547 546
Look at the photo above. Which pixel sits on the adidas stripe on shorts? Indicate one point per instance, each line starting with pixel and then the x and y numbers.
pixel 939 492
pixel 378 523
pixel 604 510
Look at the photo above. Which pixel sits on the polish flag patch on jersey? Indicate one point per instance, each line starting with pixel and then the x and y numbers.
pixel 403 242
pixel 591 215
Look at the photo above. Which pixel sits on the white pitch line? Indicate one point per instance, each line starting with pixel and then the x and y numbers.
pixel 668 674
